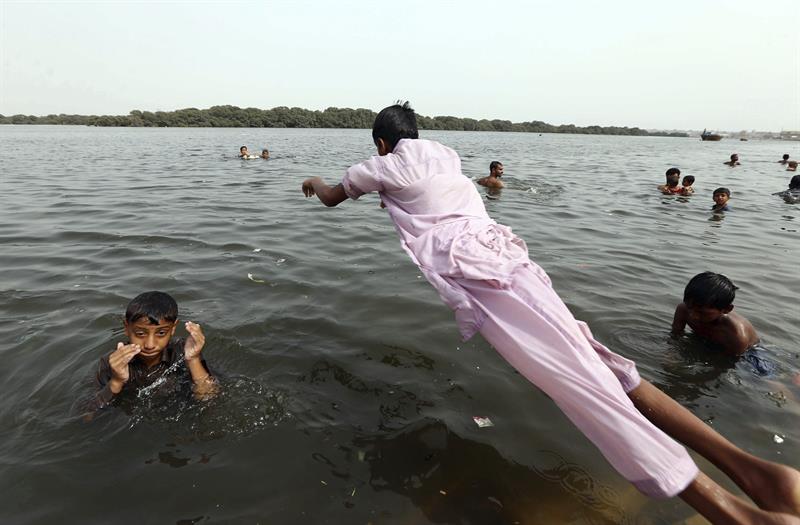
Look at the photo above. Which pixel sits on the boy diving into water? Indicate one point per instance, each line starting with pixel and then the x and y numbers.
pixel 482 271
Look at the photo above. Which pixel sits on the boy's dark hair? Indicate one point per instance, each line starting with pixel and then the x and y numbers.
pixel 673 171
pixel 689 179
pixel 726 191
pixel 494 164
pixel 785 156
pixel 394 123
pixel 710 289
pixel 155 306
pixel 243 147
pixel 794 183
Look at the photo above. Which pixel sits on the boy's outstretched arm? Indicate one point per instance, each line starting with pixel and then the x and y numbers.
pixel 679 320
pixel 329 196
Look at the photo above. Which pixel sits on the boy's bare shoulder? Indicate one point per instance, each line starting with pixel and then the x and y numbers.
pixel 738 332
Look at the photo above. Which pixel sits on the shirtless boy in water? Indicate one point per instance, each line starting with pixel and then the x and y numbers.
pixel 707 308
pixel 734 161
pixel 493 180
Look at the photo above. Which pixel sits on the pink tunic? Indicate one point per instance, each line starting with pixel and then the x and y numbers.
pixel 482 271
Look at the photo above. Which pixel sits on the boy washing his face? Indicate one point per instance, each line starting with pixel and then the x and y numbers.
pixel 150 323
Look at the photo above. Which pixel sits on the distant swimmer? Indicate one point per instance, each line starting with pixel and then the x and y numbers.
pixel 785 159
pixel 687 185
pixel 734 160
pixel 265 153
pixel 721 197
pixel 791 165
pixel 493 180
pixel 671 187
pixel 245 154
pixel 792 195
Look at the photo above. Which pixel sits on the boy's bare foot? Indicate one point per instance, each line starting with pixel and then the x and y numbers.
pixel 773 487
pixel 720 506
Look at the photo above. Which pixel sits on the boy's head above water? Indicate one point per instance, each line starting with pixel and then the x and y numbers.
pixel 150 321
pixel 721 196
pixel 708 296
pixel 393 124
pixel 688 180
pixel 496 168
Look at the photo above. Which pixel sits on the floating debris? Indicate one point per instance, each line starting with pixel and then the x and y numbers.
pixel 482 422
pixel 353 493
pixel 280 261
pixel 250 276
pixel 321 481
pixel 257 250
pixel 443 492
pixel 777 439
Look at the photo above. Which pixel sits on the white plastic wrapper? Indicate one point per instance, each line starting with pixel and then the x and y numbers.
pixel 482 422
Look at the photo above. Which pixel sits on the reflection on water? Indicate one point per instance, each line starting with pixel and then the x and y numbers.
pixel 347 395
pixel 456 480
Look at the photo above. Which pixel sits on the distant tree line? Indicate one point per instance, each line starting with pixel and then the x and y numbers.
pixel 284 117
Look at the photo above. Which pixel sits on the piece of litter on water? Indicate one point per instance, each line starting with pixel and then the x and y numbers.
pixel 257 250
pixel 250 276
pixel 443 492
pixel 321 481
pixel 280 261
pixel 777 439
pixel 482 422
pixel 353 493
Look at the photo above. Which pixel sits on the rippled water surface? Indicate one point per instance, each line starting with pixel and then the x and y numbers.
pixel 347 394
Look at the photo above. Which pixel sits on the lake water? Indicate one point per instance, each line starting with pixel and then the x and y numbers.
pixel 348 396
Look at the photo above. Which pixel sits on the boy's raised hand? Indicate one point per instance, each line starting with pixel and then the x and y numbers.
pixel 118 360
pixel 195 341
pixel 308 186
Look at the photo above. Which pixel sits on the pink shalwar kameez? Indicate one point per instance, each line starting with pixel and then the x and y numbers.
pixel 482 271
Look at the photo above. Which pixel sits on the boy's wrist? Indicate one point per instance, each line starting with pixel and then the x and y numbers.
pixel 115 385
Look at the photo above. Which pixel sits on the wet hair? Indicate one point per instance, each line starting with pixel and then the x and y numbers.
pixel 494 165
pixel 734 155
pixel 155 306
pixel 673 171
pixel 709 289
pixel 689 179
pixel 726 191
pixel 785 156
pixel 794 184
pixel 394 123
pixel 243 147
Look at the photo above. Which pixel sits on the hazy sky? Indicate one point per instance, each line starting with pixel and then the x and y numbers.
pixel 725 64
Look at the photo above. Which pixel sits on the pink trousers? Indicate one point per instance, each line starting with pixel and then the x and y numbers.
pixel 531 327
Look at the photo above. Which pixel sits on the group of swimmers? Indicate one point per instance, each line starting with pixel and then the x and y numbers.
pixel 246 155
pixel 791 165
pixel 483 272
pixel 722 195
